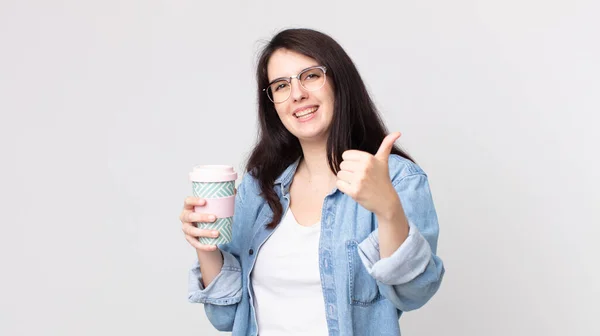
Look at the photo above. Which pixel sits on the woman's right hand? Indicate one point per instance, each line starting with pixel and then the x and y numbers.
pixel 188 217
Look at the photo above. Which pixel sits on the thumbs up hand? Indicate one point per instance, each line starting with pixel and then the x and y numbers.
pixel 366 178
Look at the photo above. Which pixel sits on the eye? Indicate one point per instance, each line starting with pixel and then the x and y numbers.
pixel 311 75
pixel 280 86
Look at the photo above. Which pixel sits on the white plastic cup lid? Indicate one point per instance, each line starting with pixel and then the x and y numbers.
pixel 213 173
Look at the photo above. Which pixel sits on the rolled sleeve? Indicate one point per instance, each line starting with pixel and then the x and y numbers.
pixel 405 264
pixel 226 287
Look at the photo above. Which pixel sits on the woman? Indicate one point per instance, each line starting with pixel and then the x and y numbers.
pixel 335 230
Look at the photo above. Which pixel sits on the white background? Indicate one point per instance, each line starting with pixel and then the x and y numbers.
pixel 106 105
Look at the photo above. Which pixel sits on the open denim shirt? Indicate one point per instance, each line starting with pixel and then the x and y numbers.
pixel 363 294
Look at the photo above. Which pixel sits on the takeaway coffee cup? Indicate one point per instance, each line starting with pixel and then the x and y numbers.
pixel 216 184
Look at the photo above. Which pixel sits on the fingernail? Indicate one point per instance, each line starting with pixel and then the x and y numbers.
pixel 211 217
pixel 215 233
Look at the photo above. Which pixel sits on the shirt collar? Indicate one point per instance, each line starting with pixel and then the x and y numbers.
pixel 288 174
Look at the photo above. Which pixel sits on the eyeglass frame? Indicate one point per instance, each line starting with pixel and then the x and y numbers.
pixel 289 80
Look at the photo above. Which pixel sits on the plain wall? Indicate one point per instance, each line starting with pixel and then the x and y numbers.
pixel 106 106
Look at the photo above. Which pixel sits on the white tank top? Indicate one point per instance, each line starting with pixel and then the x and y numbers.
pixel 287 286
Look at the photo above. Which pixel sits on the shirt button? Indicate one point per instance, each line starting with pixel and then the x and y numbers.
pixel 251 252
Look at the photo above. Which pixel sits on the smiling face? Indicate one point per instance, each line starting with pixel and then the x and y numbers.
pixel 306 114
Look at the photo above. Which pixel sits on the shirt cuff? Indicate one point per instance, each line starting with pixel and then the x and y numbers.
pixel 405 264
pixel 226 287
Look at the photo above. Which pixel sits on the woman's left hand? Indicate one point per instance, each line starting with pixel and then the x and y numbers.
pixel 365 177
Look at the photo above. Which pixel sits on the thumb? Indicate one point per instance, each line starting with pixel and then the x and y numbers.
pixel 386 146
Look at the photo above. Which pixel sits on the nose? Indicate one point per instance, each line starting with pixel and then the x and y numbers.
pixel 298 93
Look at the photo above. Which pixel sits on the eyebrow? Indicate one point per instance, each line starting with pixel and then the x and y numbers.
pixel 288 77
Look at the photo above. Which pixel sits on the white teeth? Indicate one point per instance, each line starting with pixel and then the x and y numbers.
pixel 306 112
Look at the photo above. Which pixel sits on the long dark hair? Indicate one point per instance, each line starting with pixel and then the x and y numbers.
pixel 356 123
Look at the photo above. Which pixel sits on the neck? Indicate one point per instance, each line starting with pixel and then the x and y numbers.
pixel 314 164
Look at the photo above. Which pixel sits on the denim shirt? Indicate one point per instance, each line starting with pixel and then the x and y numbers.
pixel 363 294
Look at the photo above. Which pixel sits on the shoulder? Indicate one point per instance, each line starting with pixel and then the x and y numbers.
pixel 400 168
pixel 248 187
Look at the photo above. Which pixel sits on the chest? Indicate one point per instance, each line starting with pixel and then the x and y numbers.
pixel 290 256
pixel 306 202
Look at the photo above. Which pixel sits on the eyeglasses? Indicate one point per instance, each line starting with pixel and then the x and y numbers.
pixel 311 79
